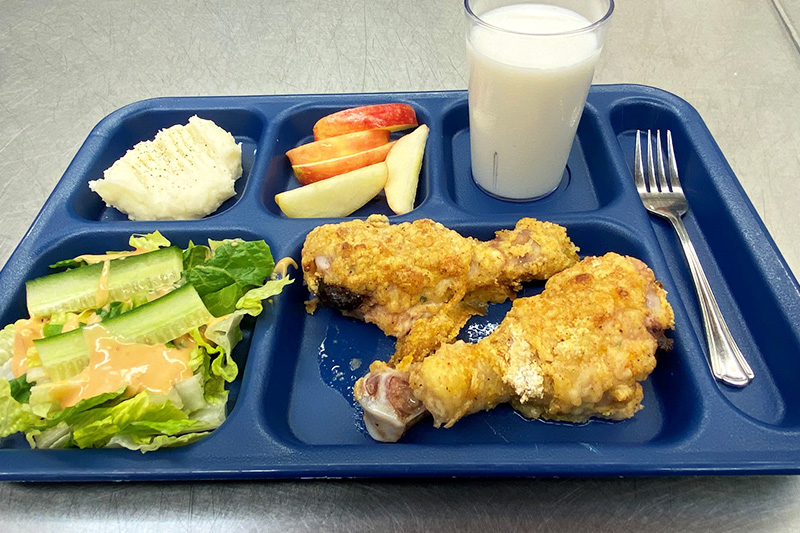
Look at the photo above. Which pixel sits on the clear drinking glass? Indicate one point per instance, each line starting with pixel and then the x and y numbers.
pixel 531 65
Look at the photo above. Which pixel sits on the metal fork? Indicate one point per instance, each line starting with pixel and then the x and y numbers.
pixel 666 198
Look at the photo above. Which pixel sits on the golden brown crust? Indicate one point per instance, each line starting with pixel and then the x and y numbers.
pixel 394 275
pixel 577 350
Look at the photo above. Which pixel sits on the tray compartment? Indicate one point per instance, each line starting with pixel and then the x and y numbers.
pixel 127 129
pixel 734 272
pixel 294 128
pixel 97 242
pixel 589 182
pixel 310 399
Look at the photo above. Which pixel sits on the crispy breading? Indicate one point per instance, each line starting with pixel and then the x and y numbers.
pixel 394 275
pixel 578 350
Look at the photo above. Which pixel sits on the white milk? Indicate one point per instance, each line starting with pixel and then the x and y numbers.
pixel 526 96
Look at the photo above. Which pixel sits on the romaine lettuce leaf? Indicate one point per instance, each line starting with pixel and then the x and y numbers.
pixel 225 334
pixel 14 416
pixel 7 343
pixel 221 302
pixel 59 436
pixel 234 267
pixel 74 414
pixel 148 241
pixel 143 415
pixel 213 386
pixel 190 392
pixel 251 302
pixel 21 388
pixel 195 255
pixel 150 443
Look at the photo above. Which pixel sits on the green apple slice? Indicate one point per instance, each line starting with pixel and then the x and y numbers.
pixel 337 196
pixel 404 162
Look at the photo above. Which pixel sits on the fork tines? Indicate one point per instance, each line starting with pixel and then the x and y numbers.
pixel 656 175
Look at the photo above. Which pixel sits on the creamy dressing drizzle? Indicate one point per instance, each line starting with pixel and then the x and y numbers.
pixel 114 364
pixel 25 332
pixel 102 285
pixel 282 267
pixel 91 259
pixel 72 323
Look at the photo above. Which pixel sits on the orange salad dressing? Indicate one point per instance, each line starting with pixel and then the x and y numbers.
pixel 114 365
pixel 90 259
pixel 102 285
pixel 72 323
pixel 25 332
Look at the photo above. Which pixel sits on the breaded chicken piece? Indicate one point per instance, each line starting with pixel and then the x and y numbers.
pixel 578 350
pixel 395 275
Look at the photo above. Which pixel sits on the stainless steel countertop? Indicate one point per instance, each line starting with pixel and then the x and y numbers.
pixel 65 65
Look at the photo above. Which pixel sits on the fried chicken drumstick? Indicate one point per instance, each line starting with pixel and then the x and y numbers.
pixel 419 281
pixel 578 350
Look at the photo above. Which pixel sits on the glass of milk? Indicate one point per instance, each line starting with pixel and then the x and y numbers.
pixel 531 65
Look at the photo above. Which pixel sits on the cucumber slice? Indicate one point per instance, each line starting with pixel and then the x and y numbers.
pixel 63 355
pixel 159 321
pixel 76 290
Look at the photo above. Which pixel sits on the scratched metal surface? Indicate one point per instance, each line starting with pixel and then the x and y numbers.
pixel 66 64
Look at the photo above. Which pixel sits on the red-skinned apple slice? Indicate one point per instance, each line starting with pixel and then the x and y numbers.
pixel 391 117
pixel 337 196
pixel 340 146
pixel 404 162
pixel 321 170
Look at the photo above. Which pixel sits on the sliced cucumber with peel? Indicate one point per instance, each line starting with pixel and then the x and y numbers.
pixel 159 321
pixel 76 290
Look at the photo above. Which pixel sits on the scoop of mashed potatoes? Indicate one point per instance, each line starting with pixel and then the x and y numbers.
pixel 185 173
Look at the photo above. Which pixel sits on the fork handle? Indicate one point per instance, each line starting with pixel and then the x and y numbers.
pixel 726 359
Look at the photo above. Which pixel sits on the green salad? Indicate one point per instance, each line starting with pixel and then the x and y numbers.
pixel 132 349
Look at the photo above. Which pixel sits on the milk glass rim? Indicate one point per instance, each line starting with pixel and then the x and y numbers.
pixel 586 29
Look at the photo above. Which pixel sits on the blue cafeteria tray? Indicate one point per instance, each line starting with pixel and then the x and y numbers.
pixel 291 410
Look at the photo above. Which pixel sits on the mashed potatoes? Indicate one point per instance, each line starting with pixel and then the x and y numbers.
pixel 185 173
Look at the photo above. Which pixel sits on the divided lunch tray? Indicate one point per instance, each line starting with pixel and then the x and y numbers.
pixel 291 412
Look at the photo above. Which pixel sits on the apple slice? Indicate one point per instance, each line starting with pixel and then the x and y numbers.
pixel 322 170
pixel 404 162
pixel 391 117
pixel 334 197
pixel 339 146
